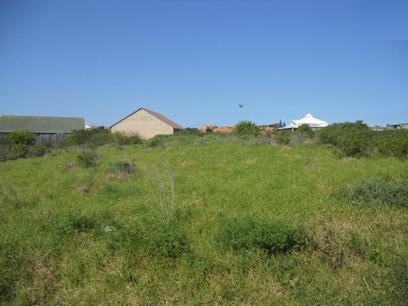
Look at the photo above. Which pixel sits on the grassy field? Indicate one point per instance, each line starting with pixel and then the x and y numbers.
pixel 99 235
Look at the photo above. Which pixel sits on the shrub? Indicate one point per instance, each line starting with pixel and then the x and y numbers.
pixel 21 138
pixel 150 237
pixel 74 222
pixel 378 190
pixel 391 143
pixel 124 167
pixel 247 128
pixel 127 140
pixel 305 129
pixel 87 158
pixel 189 131
pixel 271 236
pixel 353 139
pixel 157 141
pixel 283 138
pixel 9 197
pixel 39 150
pixel 100 136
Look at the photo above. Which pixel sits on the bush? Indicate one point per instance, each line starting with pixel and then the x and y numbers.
pixel 378 190
pixel 391 143
pixel 73 223
pixel 87 158
pixel 124 167
pixel 9 197
pixel 271 236
pixel 189 131
pixel 127 140
pixel 247 128
pixel 100 136
pixel 283 138
pixel 25 138
pixel 353 139
pixel 150 237
pixel 157 141
pixel 305 130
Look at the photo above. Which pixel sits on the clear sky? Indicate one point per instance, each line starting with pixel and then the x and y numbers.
pixel 195 61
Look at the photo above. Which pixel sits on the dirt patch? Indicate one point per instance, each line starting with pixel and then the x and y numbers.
pixel 251 161
pixel 187 164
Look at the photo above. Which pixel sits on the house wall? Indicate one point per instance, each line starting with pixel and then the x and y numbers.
pixel 142 124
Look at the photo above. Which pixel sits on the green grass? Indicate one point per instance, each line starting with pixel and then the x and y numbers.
pixel 96 235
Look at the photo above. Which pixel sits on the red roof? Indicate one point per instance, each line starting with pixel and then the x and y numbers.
pixel 157 115
pixel 164 119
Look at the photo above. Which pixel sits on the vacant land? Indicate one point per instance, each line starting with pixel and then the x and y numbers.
pixel 204 221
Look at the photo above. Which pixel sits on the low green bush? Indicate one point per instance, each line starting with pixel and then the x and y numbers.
pixel 283 138
pixel 304 129
pixel 158 141
pixel 189 131
pixel 377 190
pixel 123 167
pixel 87 158
pixel 353 139
pixel 100 136
pixel 21 138
pixel 149 237
pixel 271 236
pixel 357 139
pixel 247 128
pixel 391 143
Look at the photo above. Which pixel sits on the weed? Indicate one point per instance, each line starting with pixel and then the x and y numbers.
pixel 379 191
pixel 331 249
pixel 87 158
pixel 271 236
pixel 150 237
pixel 123 167
pixel 283 138
pixel 10 197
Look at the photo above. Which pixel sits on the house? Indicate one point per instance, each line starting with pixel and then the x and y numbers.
pixel 46 129
pixel 309 120
pixel 397 126
pixel 217 129
pixel 270 127
pixel 145 124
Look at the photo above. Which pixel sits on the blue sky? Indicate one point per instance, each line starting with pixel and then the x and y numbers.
pixel 195 61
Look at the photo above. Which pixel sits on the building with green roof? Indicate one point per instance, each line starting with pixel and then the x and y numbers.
pixel 47 129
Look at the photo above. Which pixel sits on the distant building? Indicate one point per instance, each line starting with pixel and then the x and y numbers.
pixel 376 128
pixel 397 126
pixel 46 129
pixel 145 124
pixel 217 129
pixel 309 120
pixel 270 127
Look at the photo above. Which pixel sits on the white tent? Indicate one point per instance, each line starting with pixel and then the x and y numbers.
pixel 309 120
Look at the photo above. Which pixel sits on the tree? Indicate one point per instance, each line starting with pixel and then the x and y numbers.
pixel 247 128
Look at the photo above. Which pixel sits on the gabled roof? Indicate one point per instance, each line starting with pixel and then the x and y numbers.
pixel 38 124
pixel 310 120
pixel 155 114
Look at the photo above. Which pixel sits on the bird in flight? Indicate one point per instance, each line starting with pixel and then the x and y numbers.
pixel 241 105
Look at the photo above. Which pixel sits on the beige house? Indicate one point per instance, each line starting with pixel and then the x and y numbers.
pixel 145 124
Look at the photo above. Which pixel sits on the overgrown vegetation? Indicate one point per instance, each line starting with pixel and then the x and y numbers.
pixel 87 158
pixel 357 139
pixel 378 191
pixel 283 138
pixel 270 236
pixel 247 128
pixel 100 136
pixel 21 144
pixel 217 219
